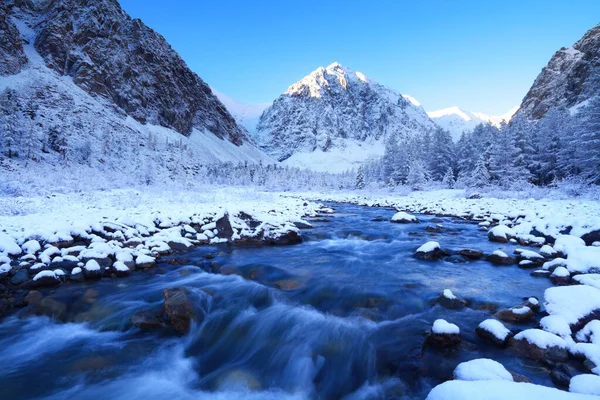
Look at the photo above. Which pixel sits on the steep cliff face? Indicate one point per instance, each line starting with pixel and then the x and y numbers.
pixel 564 81
pixel 333 108
pixel 108 54
pixel 12 58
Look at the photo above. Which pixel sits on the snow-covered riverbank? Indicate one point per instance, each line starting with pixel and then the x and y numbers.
pixel 50 239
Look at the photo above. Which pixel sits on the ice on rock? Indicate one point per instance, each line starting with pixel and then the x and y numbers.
pixel 428 247
pixel 496 328
pixel 482 369
pixel 443 327
pixel 585 384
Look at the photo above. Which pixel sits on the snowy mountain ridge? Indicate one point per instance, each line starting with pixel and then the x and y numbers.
pixel 334 113
pixel 457 121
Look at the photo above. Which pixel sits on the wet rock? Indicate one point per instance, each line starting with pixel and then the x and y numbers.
pixel 560 276
pixel 501 234
pixel 518 314
pixel 493 331
pixel 224 227
pixel 5 307
pixel 146 320
pixel 93 270
pixel 378 219
pixel 561 376
pixel 76 275
pixel 178 308
pixel 66 265
pixel 179 245
pixel 20 277
pixel 471 254
pixel 45 279
pixel 448 300
pixel 519 377
pixel 525 345
pixel 33 297
pixel 591 237
pixel 500 258
pixel 430 251
pixel 103 262
pixel 443 335
pixel 285 238
pixel 404 218
pixel 435 228
pixel 533 303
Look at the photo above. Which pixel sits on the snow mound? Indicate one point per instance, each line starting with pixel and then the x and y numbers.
pixel 443 327
pixel 482 369
pixel 541 339
pixel 428 248
pixel 496 328
pixel 585 384
pixel 572 302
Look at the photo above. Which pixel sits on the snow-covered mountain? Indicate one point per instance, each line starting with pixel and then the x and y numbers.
pixel 81 81
pixel 571 77
pixel 456 121
pixel 334 119
pixel 245 114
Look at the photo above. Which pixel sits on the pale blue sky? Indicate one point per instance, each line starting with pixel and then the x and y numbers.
pixel 479 55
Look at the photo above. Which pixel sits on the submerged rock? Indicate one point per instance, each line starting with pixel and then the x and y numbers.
pixel 471 254
pixel 146 320
pixel 178 307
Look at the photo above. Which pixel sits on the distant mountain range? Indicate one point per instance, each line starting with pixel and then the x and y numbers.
pixel 456 120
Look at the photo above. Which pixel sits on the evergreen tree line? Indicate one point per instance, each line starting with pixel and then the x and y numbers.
pixel 560 145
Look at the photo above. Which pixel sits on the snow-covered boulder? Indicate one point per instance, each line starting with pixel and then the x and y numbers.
pixel 499 390
pixel 443 334
pixel 590 332
pixel 535 259
pixel 8 245
pixel 402 217
pixel 548 251
pixel 517 314
pixel 449 300
pixel 537 344
pixel 144 261
pixel 577 304
pixel 560 276
pixel 498 257
pixel 120 269
pixel 92 270
pixel 76 274
pixel 493 331
pixel 31 246
pixel 430 251
pixel 585 384
pixel 533 303
pixel 482 369
pixel 45 278
pixel 501 234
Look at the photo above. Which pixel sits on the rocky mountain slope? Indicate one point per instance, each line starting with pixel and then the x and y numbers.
pixel 82 81
pixel 456 120
pixel 336 118
pixel 568 78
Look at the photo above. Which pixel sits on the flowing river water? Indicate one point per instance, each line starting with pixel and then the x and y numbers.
pixel 342 315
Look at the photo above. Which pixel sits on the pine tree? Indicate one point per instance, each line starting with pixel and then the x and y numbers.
pixel 417 175
pixel 589 142
pixel 442 154
pixel 480 176
pixel 448 180
pixel 360 179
